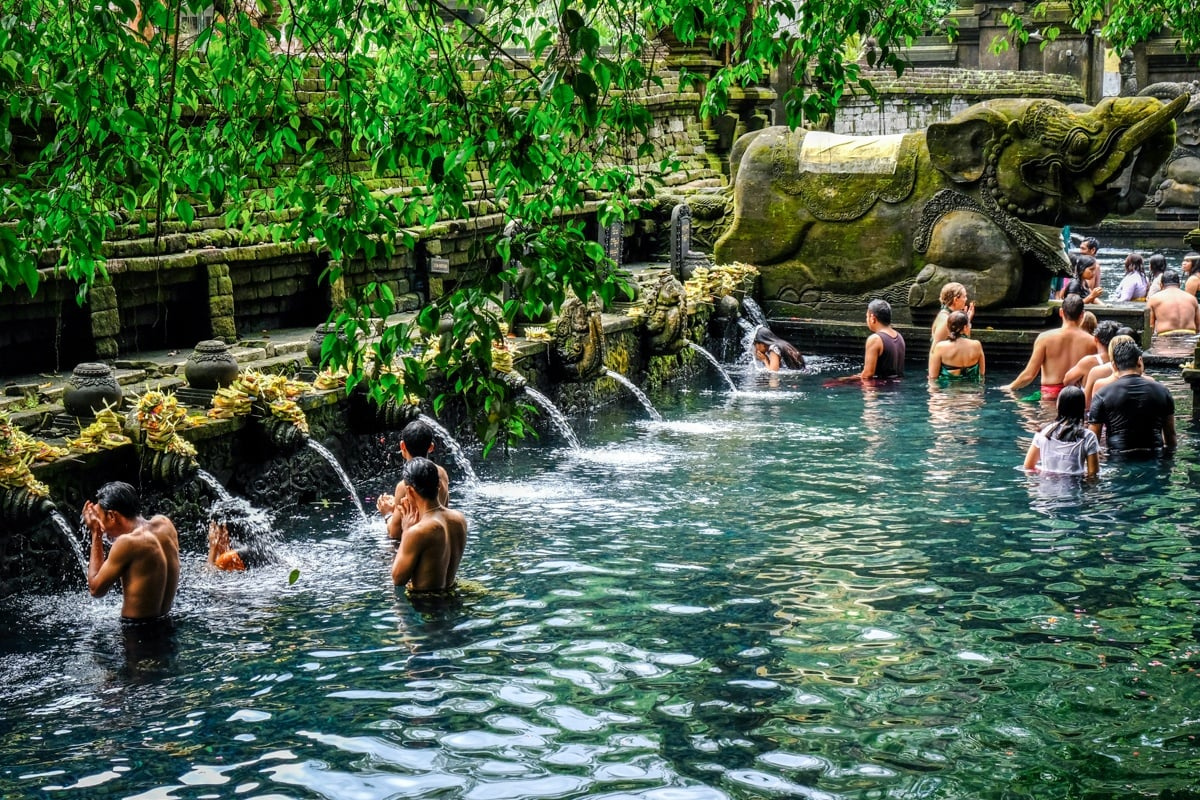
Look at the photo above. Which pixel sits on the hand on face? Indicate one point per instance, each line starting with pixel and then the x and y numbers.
pixel 93 517
pixel 385 504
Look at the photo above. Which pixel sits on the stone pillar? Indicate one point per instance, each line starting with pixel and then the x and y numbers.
pixel 220 303
pixel 105 317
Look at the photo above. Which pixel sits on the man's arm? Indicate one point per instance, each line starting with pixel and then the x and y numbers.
pixel 409 554
pixel 1151 305
pixel 104 573
pixel 1032 368
pixel 1078 373
pixel 1168 432
pixel 1196 317
pixel 871 357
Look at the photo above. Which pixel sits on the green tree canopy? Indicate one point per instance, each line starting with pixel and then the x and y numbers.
pixel 356 124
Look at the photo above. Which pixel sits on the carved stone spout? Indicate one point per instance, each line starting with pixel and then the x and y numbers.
pixel 578 351
pixel 665 329
pixel 19 506
pixel 167 468
pixel 283 435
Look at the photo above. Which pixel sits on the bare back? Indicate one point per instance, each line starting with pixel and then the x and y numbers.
pixel 1063 349
pixel 423 557
pixel 456 534
pixel 1173 309
pixel 146 562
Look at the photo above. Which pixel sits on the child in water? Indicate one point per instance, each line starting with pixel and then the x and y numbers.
pixel 238 536
pixel 1066 446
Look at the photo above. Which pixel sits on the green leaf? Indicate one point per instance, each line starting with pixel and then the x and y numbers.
pixel 293 576
pixel 185 212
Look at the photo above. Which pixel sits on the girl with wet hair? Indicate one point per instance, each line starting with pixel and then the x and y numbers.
pixel 775 352
pixel 957 358
pixel 1135 284
pixel 1082 281
pixel 1066 446
pixel 1158 265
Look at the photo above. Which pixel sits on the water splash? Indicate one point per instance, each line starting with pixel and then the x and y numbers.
pixel 341 473
pixel 73 539
pixel 452 447
pixel 713 360
pixel 638 393
pixel 556 416
pixel 210 480
pixel 752 312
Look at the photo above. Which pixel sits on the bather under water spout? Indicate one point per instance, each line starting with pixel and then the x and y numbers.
pixel 638 393
pixel 713 360
pixel 341 473
pixel 556 416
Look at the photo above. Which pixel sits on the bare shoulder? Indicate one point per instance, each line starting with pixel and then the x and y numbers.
pixel 454 517
pixel 161 524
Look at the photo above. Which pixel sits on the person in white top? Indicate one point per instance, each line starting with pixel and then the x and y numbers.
pixel 1066 446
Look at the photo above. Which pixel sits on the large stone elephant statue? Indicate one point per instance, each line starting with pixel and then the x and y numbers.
pixel 981 199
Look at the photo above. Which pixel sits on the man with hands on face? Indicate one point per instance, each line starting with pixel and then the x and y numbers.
pixel 144 556
pixel 415 440
pixel 434 536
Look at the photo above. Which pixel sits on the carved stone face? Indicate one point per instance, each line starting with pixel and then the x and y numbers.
pixel 1044 163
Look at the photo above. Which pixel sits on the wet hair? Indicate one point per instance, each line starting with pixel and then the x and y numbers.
pixel 950 291
pixel 1170 278
pixel 1080 263
pixel 1157 264
pixel 120 497
pixel 1134 263
pixel 417 438
pixel 788 354
pixel 1105 332
pixel 248 530
pixel 1191 261
pixel 1071 407
pixel 1091 242
pixel 1125 330
pixel 1089 322
pixel 1072 307
pixel 957 323
pixel 882 310
pixel 422 475
pixel 1125 353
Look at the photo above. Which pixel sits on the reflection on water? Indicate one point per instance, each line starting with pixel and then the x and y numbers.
pixel 842 593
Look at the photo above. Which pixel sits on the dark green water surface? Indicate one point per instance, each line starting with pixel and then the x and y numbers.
pixel 796 592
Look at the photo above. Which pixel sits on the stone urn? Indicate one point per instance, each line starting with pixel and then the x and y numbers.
pixel 210 366
pixel 313 349
pixel 92 388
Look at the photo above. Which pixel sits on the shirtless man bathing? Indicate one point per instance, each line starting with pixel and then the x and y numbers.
pixel 1056 351
pixel 144 556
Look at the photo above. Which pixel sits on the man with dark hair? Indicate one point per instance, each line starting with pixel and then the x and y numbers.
pixel 1104 333
pixel 144 555
pixel 885 349
pixel 415 440
pixel 434 536
pixel 1136 413
pixel 1172 310
pixel 1090 247
pixel 1056 351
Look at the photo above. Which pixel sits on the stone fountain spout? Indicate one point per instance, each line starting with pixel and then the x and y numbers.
pixel 665 330
pixel 579 351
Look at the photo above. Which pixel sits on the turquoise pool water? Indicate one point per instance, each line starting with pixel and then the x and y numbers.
pixel 795 592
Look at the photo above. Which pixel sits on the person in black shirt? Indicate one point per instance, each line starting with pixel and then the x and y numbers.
pixel 1136 413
